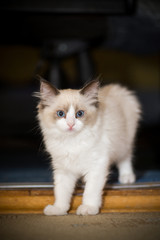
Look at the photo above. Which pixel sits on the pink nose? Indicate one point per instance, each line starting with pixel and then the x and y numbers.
pixel 70 125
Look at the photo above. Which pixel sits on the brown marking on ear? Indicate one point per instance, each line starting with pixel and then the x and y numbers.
pixel 90 87
pixel 90 90
pixel 47 87
pixel 47 92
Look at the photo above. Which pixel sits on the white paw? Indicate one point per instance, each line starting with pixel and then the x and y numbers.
pixel 127 178
pixel 87 210
pixel 50 210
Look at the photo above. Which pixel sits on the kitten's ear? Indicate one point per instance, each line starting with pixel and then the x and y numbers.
pixel 47 90
pixel 90 91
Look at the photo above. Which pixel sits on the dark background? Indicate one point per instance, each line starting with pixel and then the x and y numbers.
pixel 69 43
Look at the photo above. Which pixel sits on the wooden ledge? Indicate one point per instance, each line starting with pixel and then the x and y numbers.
pixel 25 200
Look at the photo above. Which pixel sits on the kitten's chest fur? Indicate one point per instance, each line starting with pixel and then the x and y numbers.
pixel 75 153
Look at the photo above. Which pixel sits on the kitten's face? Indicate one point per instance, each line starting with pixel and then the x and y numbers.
pixel 70 120
pixel 68 111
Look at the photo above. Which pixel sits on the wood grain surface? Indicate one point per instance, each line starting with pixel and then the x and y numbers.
pixel 34 200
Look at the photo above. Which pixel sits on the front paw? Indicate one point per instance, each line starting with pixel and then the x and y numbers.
pixel 50 210
pixel 127 178
pixel 87 210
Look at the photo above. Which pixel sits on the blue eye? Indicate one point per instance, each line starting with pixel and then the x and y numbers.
pixel 80 114
pixel 61 114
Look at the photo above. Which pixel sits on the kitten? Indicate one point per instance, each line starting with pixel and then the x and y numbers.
pixel 85 131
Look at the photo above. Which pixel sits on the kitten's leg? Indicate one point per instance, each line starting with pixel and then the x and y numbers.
pixel 126 174
pixel 92 196
pixel 64 186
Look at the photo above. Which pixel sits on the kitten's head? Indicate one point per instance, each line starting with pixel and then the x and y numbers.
pixel 67 110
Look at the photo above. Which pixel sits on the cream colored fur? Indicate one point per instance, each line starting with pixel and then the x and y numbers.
pixel 87 146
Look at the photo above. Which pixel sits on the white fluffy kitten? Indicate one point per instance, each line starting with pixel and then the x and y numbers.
pixel 85 131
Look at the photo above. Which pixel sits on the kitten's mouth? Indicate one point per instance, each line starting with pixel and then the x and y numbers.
pixel 71 129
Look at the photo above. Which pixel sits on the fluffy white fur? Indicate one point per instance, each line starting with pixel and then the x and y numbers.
pixel 87 146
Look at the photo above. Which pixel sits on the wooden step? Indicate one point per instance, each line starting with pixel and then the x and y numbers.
pixel 33 200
